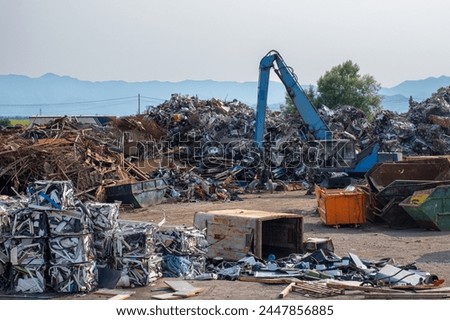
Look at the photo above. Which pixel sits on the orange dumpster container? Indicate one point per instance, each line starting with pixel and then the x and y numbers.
pixel 341 206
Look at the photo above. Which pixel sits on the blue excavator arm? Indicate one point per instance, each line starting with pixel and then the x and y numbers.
pixel 340 155
pixel 305 108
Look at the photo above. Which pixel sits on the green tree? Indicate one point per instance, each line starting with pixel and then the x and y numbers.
pixel 343 85
pixel 290 109
pixel 5 122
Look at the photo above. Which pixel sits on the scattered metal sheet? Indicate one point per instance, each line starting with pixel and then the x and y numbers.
pixel 187 267
pixel 396 276
pixel 313 244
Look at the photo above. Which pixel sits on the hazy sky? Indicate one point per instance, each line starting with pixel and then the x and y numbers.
pixel 173 40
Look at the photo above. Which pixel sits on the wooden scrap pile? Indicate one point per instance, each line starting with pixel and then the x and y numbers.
pixel 90 157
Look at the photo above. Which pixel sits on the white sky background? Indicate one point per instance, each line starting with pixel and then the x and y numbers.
pixel 174 40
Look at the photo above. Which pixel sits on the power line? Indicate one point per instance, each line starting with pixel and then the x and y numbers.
pixel 132 98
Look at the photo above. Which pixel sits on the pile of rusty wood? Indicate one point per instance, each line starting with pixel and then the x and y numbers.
pixel 63 150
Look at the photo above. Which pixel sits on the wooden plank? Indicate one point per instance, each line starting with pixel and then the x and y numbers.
pixel 404 296
pixel 120 297
pixel 182 289
pixel 166 296
pixel 269 280
pixel 179 285
pixel 286 291
pixel 360 288
pixel 187 294
pixel 114 292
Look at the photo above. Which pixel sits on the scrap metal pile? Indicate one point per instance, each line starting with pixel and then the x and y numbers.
pixel 423 130
pixel 204 149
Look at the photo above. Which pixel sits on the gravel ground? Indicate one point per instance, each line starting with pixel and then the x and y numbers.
pixel 429 249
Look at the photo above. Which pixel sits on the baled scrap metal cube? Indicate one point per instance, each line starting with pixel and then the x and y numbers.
pixel 82 277
pixel 26 251
pixel 139 271
pixel 65 250
pixel 52 194
pixel 28 278
pixel 134 239
pixel 182 241
pixel 28 223
pixel 70 221
pixel 103 246
pixel 104 215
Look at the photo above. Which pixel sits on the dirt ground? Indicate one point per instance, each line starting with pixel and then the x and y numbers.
pixel 429 249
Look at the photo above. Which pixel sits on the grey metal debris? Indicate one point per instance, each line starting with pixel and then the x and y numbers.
pixel 186 267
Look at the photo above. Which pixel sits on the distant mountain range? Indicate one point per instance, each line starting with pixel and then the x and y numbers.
pixel 51 94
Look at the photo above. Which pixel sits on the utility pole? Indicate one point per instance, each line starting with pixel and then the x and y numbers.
pixel 139 103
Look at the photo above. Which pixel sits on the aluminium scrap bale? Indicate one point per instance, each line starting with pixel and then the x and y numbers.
pixel 184 251
pixel 70 221
pixel 79 277
pixel 139 271
pixel 134 239
pixel 52 194
pixel 27 278
pixel 182 241
pixel 28 223
pixel 134 253
pixel 183 266
pixel 28 265
pixel 71 249
pixel 104 216
pixel 28 251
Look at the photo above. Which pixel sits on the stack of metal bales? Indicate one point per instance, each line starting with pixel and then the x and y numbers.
pixel 124 246
pixel 71 259
pixel 184 251
pixel 24 251
pixel 134 253
pixel 51 240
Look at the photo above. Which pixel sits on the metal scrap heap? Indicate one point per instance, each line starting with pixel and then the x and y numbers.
pixel 204 149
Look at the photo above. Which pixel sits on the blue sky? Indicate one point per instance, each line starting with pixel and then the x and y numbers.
pixel 174 40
